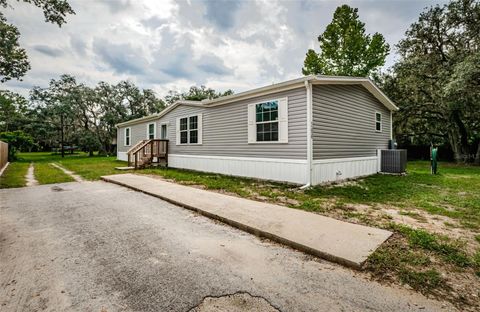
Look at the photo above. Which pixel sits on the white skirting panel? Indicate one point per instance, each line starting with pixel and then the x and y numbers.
pixel 283 170
pixel 122 156
pixel 331 170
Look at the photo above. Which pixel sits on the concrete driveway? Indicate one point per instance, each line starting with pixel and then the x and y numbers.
pixel 95 246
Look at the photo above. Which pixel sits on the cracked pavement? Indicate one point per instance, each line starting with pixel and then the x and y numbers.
pixel 95 246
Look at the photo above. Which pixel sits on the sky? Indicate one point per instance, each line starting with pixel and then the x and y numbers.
pixel 172 45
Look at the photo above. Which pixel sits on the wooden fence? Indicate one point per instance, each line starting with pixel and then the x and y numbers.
pixel 3 154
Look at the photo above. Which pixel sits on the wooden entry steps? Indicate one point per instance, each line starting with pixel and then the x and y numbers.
pixel 147 153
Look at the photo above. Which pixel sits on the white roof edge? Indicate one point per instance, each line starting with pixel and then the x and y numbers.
pixel 366 82
pixel 158 115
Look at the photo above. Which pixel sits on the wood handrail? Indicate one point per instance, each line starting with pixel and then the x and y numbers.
pixel 145 151
pixel 146 143
pixel 135 146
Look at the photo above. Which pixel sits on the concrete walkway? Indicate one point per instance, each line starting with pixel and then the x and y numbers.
pixel 338 241
pixel 30 176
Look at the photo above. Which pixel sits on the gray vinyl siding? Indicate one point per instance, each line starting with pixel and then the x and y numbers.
pixel 137 132
pixel 225 130
pixel 344 122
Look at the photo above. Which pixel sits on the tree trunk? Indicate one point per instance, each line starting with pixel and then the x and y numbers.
pixel 458 138
pixel 456 145
pixel 477 155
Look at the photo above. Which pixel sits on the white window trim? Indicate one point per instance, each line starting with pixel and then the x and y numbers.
pixel 199 129
pixel 381 121
pixel 154 130
pixel 166 134
pixel 129 136
pixel 253 139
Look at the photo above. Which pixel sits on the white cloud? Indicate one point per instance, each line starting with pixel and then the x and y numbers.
pixel 171 45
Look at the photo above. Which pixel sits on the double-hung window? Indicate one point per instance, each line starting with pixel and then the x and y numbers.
pixel 378 122
pixel 127 135
pixel 189 129
pixel 151 131
pixel 268 121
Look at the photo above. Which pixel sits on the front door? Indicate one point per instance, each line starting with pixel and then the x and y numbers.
pixel 163 132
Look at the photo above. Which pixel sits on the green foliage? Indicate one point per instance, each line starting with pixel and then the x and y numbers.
pixel 345 49
pixel 13 59
pixel 89 141
pixel 436 81
pixel 17 140
pixel 89 114
pixel 195 94
pixel 13 110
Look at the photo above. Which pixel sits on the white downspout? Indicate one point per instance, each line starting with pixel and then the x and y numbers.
pixel 391 125
pixel 308 183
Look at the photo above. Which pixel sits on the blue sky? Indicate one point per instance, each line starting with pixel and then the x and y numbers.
pixel 167 45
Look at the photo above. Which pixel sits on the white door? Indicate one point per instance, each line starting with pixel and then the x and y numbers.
pixel 163 132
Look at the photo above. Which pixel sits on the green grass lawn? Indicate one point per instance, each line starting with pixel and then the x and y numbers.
pixel 14 175
pixel 92 168
pixel 45 173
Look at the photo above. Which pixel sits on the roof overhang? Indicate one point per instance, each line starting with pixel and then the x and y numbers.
pixel 365 82
pixel 158 115
pixel 278 87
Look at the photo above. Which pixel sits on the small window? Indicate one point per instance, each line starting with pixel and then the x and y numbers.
pixel 151 131
pixel 184 130
pixel 163 132
pixel 266 118
pixel 378 122
pixel 127 136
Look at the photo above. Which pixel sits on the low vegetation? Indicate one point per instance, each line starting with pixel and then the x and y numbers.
pixel 91 168
pixel 45 173
pixel 435 248
pixel 14 175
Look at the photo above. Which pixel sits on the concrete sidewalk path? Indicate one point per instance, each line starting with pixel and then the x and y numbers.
pixel 342 242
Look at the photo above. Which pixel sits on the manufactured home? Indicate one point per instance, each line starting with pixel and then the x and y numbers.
pixel 307 131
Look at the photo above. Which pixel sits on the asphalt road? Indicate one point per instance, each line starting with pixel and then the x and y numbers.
pixel 94 246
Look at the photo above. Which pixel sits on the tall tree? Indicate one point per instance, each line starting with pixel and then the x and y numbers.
pixel 345 49
pixel 436 81
pixel 13 59
pixel 57 105
pixel 87 115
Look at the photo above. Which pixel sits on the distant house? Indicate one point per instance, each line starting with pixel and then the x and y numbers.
pixel 309 130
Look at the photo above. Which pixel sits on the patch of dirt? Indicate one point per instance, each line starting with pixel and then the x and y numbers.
pixel 288 201
pixel 418 219
pixel 237 302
